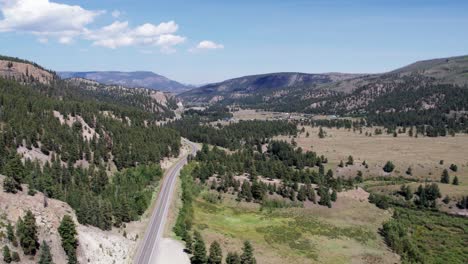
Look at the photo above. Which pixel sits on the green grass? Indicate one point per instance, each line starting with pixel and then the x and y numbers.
pixel 433 237
pixel 295 235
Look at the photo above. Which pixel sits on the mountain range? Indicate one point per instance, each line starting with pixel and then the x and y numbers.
pixel 422 85
pixel 140 79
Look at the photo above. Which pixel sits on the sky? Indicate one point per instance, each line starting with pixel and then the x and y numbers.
pixel 202 41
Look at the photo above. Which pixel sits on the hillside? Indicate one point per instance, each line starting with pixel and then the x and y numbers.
pixel 95 245
pixel 143 79
pixel 68 138
pixel 271 85
pixel 434 86
pixel 24 71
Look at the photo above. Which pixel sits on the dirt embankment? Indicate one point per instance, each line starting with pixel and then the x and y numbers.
pixel 95 245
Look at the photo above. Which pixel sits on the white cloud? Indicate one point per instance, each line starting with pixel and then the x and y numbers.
pixel 116 14
pixel 208 45
pixel 120 34
pixel 42 16
pixel 49 20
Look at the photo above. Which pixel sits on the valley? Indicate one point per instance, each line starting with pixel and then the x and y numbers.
pixel 363 178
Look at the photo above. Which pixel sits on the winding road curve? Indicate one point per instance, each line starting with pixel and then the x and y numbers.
pixel 146 252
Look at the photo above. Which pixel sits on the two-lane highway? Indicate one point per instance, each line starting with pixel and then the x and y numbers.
pixel 146 251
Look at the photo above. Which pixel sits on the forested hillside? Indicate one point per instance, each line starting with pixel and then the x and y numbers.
pixel 430 92
pixel 96 149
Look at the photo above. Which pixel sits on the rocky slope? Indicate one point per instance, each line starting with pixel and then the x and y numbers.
pixel 24 71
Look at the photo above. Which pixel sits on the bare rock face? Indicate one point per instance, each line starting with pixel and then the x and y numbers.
pixel 24 72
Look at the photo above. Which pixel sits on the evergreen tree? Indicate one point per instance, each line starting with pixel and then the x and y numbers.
pixel 324 197
pixel 321 133
pixel 455 181
pixel 247 256
pixel 454 167
pixel 10 185
pixel 246 191
pixel 389 167
pixel 15 256
pixel 6 254
pixel 216 255
pixel 11 235
pixel 445 178
pixel 67 231
pixel 26 231
pixel 409 171
pixel 45 256
pixel 199 250
pixel 341 165
pixel 233 258
pixel 333 196
pixel 446 199
pixel 301 195
pixel 188 242
pixel 311 194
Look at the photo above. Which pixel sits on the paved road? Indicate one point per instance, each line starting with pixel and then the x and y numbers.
pixel 146 252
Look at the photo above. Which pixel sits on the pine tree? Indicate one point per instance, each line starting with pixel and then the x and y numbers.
pixel 15 256
pixel 341 165
pixel 233 258
pixel 6 254
pixel 188 242
pixel 216 255
pixel 324 197
pixel 333 196
pixel 409 171
pixel 247 256
pixel 321 133
pixel 446 199
pixel 246 191
pixel 10 185
pixel 199 250
pixel 67 231
pixel 301 195
pixel 45 256
pixel 454 167
pixel 445 178
pixel 11 235
pixel 389 167
pixel 26 231
pixel 455 181
pixel 311 194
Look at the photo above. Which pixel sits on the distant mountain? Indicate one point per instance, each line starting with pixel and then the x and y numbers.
pixel 144 79
pixel 271 84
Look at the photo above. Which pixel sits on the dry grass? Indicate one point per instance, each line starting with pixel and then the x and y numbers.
pixel 421 154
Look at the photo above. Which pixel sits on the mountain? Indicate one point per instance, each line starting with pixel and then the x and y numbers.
pixel 422 86
pixel 270 84
pixel 143 79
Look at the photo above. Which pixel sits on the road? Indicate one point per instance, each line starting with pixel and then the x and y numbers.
pixel 146 252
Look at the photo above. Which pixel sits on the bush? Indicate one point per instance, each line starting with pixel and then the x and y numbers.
pixel 454 167
pixel 389 167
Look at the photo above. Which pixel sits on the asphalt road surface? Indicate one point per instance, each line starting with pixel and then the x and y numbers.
pixel 146 252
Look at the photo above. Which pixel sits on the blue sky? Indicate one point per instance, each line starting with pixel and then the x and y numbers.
pixel 200 41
